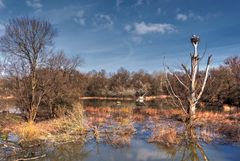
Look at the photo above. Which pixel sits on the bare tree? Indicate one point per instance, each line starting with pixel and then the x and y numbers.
pixel 233 63
pixel 28 40
pixel 194 86
pixel 59 82
pixel 194 96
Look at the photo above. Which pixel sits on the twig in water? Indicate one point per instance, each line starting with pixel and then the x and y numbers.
pixel 32 158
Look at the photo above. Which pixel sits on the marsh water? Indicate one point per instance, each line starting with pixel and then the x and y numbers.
pixel 139 147
pixel 140 150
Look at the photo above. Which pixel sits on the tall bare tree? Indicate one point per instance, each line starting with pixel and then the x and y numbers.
pixel 28 40
pixel 194 96
pixel 194 86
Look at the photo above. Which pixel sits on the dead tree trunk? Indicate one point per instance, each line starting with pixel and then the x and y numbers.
pixel 194 96
pixel 194 92
pixel 194 70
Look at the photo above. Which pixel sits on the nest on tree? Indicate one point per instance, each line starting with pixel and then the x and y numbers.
pixel 195 39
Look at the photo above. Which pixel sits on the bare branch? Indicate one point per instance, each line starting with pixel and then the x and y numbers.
pixel 181 82
pixel 185 86
pixel 174 94
pixel 171 94
pixel 186 71
pixel 205 78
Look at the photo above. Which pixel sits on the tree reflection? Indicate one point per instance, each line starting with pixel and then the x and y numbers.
pixel 189 149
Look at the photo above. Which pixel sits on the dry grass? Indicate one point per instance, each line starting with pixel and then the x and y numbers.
pixel 231 132
pixel 70 127
pixel 125 110
pixel 224 124
pixel 150 111
pixel 221 124
pixel 91 109
pixel 120 136
pixel 73 123
pixel 111 125
pixel 217 118
pixel 106 110
pixel 29 131
pixel 167 136
pixel 67 128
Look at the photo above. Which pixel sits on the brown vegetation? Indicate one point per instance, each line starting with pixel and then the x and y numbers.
pixel 69 128
pixel 166 136
pixel 46 86
pixel 35 76
pixel 25 44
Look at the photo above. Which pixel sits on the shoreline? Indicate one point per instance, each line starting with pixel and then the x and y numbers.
pixel 146 98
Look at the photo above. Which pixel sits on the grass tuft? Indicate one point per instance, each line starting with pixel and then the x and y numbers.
pixel 29 131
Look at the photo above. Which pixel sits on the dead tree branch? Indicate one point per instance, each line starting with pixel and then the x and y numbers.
pixel 205 78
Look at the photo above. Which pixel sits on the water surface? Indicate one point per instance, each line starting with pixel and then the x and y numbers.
pixel 140 150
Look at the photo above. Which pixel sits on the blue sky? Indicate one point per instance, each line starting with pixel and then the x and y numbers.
pixel 135 34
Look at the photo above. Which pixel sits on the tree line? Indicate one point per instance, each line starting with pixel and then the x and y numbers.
pixel 42 79
pixel 222 87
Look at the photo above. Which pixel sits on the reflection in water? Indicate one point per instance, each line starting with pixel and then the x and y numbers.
pixel 138 150
pixel 71 152
pixel 192 150
pixel 145 154
pixel 189 148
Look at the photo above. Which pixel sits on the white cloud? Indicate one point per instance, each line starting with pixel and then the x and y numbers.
pixel 35 4
pixel 103 21
pixel 142 28
pixel 181 17
pixel 2 4
pixel 191 15
pixel 80 18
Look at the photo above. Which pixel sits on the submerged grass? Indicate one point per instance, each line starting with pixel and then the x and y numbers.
pixel 167 136
pixel 210 125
